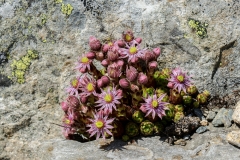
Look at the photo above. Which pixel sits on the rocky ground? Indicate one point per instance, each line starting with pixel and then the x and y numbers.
pixel 57 31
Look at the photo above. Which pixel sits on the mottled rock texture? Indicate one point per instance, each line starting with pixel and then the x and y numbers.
pixel 28 111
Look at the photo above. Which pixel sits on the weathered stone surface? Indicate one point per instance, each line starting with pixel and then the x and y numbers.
pixel 223 118
pixel 236 114
pixel 28 111
pixel 201 146
pixel 234 138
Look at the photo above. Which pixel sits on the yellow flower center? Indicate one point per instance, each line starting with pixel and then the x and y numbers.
pixel 110 43
pixel 108 98
pixel 180 78
pixel 128 37
pixel 75 83
pixel 84 60
pixel 67 121
pixel 155 103
pixel 90 87
pixel 133 50
pixel 99 124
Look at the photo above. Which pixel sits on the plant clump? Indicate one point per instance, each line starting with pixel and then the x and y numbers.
pixel 130 96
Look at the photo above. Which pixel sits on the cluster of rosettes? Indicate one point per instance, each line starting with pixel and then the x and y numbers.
pixel 130 96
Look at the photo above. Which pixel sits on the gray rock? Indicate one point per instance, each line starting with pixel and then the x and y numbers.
pixel 223 118
pixel 211 115
pixel 201 129
pixel 236 113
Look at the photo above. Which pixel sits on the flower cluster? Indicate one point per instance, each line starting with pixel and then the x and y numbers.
pixel 130 96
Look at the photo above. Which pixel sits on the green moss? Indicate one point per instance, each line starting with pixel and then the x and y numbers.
pixel 19 67
pixel 199 28
pixel 66 9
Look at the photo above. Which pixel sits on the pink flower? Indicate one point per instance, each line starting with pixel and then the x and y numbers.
pixel 73 89
pixel 132 52
pixel 68 131
pixel 87 85
pixel 100 125
pixel 155 106
pixel 180 80
pixel 108 99
pixel 69 117
pixel 114 70
pixel 127 36
pixel 83 64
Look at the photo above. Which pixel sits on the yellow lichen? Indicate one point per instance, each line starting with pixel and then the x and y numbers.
pixel 19 67
pixel 66 9
pixel 58 1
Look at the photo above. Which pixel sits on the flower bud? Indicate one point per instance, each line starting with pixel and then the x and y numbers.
pixel 73 101
pixel 105 62
pixel 99 56
pixel 83 109
pixel 119 92
pixel 112 56
pixel 120 62
pixel 114 71
pixel 124 83
pixel 149 55
pixel 120 43
pixel 125 138
pixel 138 40
pixel 170 85
pixel 131 74
pixel 94 43
pixel 157 52
pixel 83 99
pixel 91 55
pixel 64 106
pixel 105 80
pixel 143 109
pixel 142 79
pixel 134 88
pixel 152 65
pixel 83 70
pixel 100 83
pixel 105 48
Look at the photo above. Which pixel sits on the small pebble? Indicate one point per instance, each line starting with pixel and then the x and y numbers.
pixel 211 115
pixel 186 137
pixel 223 118
pixel 201 129
pixel 204 122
